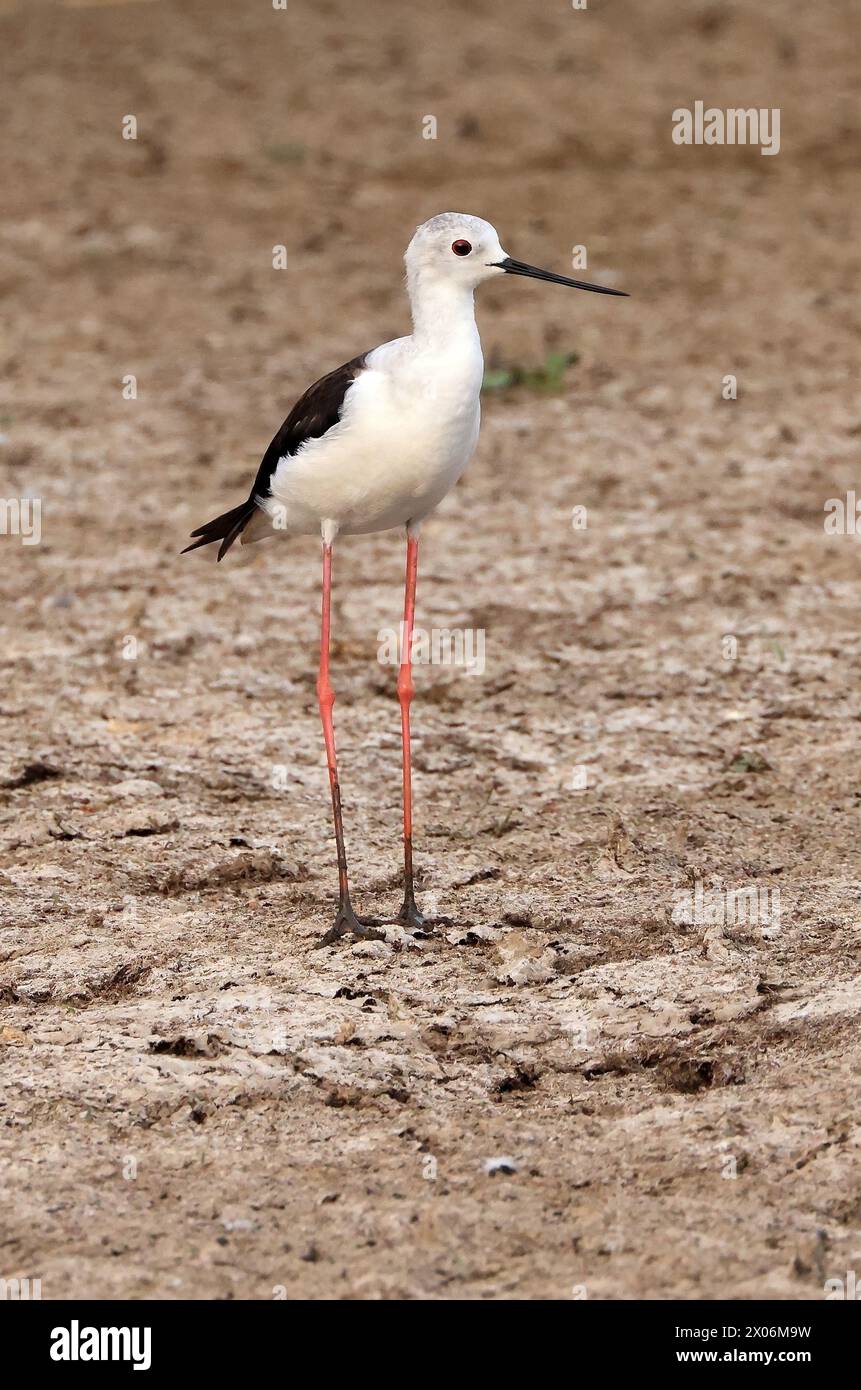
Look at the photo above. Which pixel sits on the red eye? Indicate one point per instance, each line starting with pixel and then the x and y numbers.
pixel 461 248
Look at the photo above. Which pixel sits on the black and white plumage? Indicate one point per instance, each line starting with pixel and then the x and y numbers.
pixel 377 444
pixel 312 416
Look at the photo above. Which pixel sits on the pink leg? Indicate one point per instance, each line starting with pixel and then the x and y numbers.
pixel 346 920
pixel 409 912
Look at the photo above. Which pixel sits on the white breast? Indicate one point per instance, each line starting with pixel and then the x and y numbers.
pixel 408 428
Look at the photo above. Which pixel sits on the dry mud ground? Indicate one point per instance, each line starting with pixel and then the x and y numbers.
pixel 195 1102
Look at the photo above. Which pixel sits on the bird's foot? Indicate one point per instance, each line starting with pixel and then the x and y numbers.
pixel 347 923
pixel 413 920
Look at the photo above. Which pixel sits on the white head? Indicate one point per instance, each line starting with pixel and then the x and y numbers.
pixel 456 248
pixel 456 251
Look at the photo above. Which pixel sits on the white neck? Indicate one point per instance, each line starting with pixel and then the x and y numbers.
pixel 441 309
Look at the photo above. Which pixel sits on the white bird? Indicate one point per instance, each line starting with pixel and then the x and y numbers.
pixel 377 444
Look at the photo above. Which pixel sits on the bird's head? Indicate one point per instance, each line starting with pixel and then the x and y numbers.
pixel 457 249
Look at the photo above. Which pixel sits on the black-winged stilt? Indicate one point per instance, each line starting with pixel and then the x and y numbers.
pixel 377 444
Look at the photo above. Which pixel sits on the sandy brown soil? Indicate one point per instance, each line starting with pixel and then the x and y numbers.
pixel 195 1102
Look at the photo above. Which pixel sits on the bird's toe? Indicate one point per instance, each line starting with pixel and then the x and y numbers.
pixel 348 924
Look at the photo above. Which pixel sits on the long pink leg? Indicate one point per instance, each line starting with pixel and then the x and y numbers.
pixel 346 920
pixel 409 913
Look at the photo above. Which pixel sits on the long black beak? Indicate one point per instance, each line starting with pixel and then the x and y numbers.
pixel 521 268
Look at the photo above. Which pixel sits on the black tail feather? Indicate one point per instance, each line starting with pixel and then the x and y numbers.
pixel 224 528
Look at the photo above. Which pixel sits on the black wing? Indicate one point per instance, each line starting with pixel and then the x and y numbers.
pixel 311 417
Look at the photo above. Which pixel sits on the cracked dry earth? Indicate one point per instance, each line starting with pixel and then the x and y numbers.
pixel 574 1087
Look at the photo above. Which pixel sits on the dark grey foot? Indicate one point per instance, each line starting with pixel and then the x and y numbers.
pixel 410 917
pixel 348 924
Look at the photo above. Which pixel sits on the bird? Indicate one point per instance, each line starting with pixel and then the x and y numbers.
pixel 375 445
